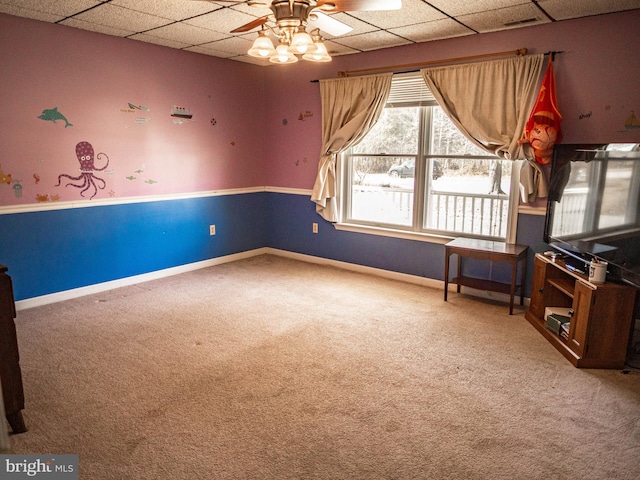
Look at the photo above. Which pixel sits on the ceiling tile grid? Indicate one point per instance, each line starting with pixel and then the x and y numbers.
pixel 455 8
pixel 96 27
pixel 563 10
pixel 45 11
pixel 372 41
pixel 110 15
pixel 204 26
pixel 186 33
pixel 171 9
pixel 227 47
pixel 221 20
pixel 504 18
pixel 412 11
pixel 61 8
pixel 434 30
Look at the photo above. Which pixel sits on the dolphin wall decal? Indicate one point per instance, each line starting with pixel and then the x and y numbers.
pixel 53 115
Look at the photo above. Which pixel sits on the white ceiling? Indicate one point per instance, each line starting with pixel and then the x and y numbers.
pixel 203 27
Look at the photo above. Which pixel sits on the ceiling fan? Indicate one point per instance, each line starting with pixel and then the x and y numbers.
pixel 289 20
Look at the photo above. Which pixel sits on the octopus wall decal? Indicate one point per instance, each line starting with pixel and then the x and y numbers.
pixel 85 154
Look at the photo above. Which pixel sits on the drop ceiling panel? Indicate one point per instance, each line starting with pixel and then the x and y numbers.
pixel 189 34
pixel 204 27
pixel 435 30
pixel 255 10
pixel 168 8
pixel 412 11
pixel 455 8
pixel 223 20
pixel 94 27
pixel 372 41
pixel 563 10
pixel 110 15
pixel 504 18
pixel 61 8
pixel 337 49
pixel 230 46
pixel 26 13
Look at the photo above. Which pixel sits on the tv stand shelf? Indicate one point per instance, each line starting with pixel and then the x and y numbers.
pixel 602 315
pixel 565 285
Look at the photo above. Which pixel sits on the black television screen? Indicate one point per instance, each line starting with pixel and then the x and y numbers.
pixel 593 207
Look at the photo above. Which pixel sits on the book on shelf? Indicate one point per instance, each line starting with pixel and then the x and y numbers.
pixel 564 330
pixel 555 322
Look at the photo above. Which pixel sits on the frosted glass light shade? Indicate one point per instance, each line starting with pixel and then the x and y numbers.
pixel 317 54
pixel 262 46
pixel 301 42
pixel 283 55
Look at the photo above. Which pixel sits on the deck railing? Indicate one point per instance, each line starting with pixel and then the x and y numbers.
pixel 469 213
pixel 463 213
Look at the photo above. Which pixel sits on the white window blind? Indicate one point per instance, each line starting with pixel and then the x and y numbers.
pixel 409 88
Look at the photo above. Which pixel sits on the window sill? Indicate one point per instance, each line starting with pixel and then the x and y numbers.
pixel 390 232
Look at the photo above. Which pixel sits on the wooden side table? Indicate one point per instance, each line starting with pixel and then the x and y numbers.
pixel 492 251
pixel 10 374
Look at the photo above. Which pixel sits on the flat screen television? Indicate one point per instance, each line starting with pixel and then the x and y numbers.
pixel 593 207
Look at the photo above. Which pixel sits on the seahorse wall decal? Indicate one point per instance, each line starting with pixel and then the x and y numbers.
pixel 53 115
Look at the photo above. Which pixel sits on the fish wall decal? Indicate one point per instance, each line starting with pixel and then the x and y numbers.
pixel 53 115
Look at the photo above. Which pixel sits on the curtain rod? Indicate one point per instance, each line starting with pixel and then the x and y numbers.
pixel 519 52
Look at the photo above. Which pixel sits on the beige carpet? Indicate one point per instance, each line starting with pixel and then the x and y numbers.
pixel 270 368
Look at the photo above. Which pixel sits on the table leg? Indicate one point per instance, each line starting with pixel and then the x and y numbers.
pixel 512 290
pixel 446 274
pixel 523 277
pixel 459 273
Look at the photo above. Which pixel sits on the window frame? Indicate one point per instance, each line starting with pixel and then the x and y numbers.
pixel 422 185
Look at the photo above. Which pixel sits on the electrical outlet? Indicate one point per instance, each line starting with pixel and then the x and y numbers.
pixel 315 228
pixel 212 229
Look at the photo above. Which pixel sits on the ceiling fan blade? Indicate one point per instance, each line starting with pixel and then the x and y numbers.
pixel 327 24
pixel 358 5
pixel 258 22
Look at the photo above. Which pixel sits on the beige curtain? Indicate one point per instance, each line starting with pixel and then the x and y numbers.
pixel 533 182
pixel 350 108
pixel 490 103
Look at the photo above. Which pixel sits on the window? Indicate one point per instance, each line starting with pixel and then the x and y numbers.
pixel 416 171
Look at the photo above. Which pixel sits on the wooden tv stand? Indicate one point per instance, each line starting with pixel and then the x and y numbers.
pixel 602 315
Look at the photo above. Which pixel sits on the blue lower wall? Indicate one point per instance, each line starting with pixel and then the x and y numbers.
pixel 291 218
pixel 53 251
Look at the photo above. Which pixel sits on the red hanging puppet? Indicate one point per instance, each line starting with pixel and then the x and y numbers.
pixel 542 130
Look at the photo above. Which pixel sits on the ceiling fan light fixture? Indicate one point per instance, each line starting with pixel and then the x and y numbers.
pixel 262 46
pixel 301 42
pixel 319 53
pixel 282 55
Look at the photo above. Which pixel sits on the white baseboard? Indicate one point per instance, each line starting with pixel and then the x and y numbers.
pixel 123 282
pixel 402 277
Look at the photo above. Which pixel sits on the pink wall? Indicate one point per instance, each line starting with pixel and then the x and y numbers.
pixel 267 119
pixel 598 83
pixel 91 79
